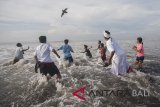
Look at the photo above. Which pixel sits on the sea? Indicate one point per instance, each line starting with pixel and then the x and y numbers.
pixel 20 86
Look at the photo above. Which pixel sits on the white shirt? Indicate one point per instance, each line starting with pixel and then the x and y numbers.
pixel 43 52
pixel 19 53
pixel 113 46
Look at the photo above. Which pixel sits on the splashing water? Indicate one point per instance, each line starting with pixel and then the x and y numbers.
pixel 20 86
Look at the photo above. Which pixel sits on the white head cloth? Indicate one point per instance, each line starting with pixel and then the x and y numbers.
pixel 106 35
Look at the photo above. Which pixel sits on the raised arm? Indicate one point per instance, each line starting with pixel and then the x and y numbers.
pixel 60 48
pixel 25 49
pixel 83 52
pixel 135 49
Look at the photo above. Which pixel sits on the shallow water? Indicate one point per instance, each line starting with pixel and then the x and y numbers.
pixel 20 86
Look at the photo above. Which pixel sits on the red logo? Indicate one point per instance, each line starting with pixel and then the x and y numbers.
pixel 81 90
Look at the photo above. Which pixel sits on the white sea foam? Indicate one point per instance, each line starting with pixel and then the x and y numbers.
pixel 26 88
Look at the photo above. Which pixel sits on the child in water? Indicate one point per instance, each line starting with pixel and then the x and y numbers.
pixel 87 51
pixel 19 53
pixel 103 54
pixel 139 53
pixel 67 49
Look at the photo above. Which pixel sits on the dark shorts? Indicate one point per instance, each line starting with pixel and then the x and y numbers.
pixel 141 58
pixel 70 59
pixel 48 68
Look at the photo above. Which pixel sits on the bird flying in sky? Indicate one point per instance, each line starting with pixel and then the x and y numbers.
pixel 64 11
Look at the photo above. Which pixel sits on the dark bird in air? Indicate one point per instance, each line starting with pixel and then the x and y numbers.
pixel 64 11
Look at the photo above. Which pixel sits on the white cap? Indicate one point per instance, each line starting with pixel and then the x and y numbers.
pixel 106 35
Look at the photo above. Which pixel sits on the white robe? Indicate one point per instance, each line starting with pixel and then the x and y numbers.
pixel 119 61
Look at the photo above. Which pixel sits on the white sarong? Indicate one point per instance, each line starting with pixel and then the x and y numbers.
pixel 119 61
pixel 119 65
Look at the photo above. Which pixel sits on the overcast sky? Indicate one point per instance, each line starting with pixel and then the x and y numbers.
pixel 26 20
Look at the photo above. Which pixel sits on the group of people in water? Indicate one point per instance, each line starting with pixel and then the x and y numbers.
pixel 117 58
